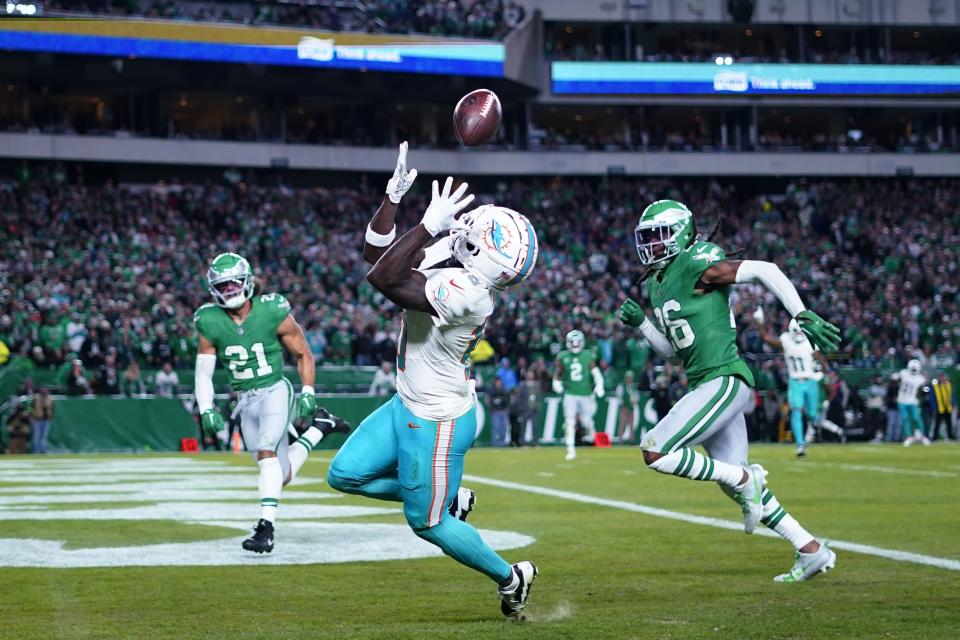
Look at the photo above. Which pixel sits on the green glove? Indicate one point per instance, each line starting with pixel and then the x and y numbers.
pixel 631 314
pixel 306 403
pixel 212 422
pixel 822 334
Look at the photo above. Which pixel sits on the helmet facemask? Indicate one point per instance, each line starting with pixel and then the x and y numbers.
pixel 665 229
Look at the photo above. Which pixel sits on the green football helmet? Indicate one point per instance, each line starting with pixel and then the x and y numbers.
pixel 667 224
pixel 230 280
pixel 576 341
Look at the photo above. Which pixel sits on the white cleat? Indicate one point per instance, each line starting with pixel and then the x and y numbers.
pixel 808 565
pixel 908 441
pixel 513 601
pixel 749 496
pixel 463 504
pixel 571 454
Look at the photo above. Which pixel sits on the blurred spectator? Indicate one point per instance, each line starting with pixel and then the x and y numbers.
pixel 875 418
pixel 524 409
pixel 18 427
pixel 166 381
pixel 108 377
pixel 628 394
pixel 132 384
pixel 942 403
pixel 75 381
pixel 506 375
pixel 41 416
pixel 499 402
pixel 892 430
pixel 384 380
pixel 661 394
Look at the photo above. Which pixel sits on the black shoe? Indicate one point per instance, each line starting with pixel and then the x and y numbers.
pixel 262 539
pixel 463 503
pixel 328 423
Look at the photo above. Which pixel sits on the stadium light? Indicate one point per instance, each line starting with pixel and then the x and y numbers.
pixel 23 8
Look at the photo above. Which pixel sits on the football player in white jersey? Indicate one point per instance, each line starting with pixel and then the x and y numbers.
pixel 911 381
pixel 803 387
pixel 411 449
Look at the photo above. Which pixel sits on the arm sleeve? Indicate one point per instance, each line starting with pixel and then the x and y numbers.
pixel 203 380
pixel 658 341
pixel 597 376
pixel 456 298
pixel 773 279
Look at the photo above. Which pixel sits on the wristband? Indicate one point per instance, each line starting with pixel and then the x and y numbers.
pixel 375 239
pixel 307 390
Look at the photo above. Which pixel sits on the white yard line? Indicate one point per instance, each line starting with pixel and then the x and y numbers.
pixel 890 554
pixel 880 469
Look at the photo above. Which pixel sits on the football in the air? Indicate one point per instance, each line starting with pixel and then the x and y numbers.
pixel 476 118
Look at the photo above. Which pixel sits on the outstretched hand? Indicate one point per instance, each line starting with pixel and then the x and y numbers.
pixel 444 205
pixel 402 179
pixel 821 333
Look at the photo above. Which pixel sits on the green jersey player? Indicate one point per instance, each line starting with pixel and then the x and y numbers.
pixel 578 388
pixel 689 292
pixel 248 334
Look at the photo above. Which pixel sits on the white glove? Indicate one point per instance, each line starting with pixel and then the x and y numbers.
pixel 557 386
pixel 598 391
pixel 444 206
pixel 402 180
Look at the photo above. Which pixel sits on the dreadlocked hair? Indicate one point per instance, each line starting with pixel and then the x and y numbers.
pixel 713 233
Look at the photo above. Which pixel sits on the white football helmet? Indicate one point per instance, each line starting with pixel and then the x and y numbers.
pixel 496 245
pixel 796 332
pixel 914 366
pixel 575 341
pixel 230 280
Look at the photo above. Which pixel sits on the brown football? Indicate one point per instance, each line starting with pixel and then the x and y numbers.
pixel 476 118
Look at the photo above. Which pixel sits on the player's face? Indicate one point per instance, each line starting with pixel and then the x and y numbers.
pixel 230 288
pixel 650 242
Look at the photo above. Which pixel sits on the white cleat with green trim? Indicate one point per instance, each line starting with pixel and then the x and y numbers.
pixel 808 565
pixel 749 496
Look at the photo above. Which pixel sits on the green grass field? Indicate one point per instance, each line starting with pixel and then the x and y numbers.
pixel 605 571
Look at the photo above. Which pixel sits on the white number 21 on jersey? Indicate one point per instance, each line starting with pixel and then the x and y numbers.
pixel 238 364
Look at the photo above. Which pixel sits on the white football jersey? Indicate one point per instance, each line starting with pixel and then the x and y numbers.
pixel 910 383
pixel 799 357
pixel 433 352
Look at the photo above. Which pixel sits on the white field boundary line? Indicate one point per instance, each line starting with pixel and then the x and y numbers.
pixel 879 469
pixel 889 554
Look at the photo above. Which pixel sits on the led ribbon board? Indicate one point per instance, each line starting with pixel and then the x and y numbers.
pixel 630 78
pixel 221 43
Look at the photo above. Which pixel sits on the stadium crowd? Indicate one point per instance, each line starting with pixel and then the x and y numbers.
pixel 92 270
pixel 473 18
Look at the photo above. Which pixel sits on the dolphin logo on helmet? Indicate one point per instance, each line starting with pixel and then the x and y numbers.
pixel 496 245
